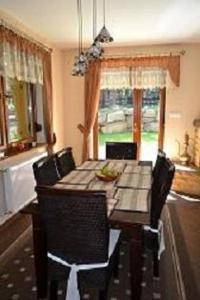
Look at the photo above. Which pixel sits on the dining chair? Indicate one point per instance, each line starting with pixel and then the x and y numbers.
pixel 45 171
pixel 121 150
pixel 81 248
pixel 160 160
pixel 65 161
pixel 160 189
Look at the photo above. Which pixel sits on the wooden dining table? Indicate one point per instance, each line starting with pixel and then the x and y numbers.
pixel 128 206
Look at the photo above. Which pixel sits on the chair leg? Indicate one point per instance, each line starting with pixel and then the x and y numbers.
pixel 53 290
pixel 103 294
pixel 155 264
pixel 116 266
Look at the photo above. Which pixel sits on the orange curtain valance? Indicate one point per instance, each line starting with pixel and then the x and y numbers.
pixel 7 35
pixel 171 63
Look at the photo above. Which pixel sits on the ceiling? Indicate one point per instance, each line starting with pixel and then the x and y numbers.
pixel 130 22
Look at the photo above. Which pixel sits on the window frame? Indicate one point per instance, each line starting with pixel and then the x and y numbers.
pixel 137 95
pixel 3 131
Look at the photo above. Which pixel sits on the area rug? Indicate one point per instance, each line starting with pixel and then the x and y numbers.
pixel 17 279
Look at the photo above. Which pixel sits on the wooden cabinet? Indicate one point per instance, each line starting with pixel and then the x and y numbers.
pixel 180 262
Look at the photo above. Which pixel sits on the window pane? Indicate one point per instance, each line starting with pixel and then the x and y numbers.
pixel 115 117
pixel 18 110
pixel 150 123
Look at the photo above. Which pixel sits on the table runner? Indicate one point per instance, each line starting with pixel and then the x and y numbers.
pixel 132 200
pixel 97 184
pixel 118 165
pixel 135 181
pixel 129 192
pixel 78 177
pixel 92 165
pixel 145 170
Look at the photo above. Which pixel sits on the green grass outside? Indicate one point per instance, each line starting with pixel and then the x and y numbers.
pixel 126 137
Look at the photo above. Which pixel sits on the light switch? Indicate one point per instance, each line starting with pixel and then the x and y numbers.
pixel 175 114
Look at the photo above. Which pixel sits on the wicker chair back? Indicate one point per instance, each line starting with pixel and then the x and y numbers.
pixel 76 224
pixel 65 161
pixel 160 189
pixel 121 150
pixel 160 161
pixel 45 171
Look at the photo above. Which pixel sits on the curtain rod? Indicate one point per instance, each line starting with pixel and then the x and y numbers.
pixel 142 54
pixel 24 35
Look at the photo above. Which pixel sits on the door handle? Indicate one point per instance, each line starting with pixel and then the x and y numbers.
pixel 135 127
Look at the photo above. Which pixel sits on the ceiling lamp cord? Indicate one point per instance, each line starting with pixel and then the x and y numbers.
pixel 104 13
pixel 104 35
pixel 79 10
pixel 95 51
pixel 94 19
pixel 81 62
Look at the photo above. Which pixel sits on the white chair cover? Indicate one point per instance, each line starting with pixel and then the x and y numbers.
pixel 72 292
pixel 160 232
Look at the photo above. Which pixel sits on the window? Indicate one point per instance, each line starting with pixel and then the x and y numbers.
pixel 115 117
pixel 21 107
pixel 125 117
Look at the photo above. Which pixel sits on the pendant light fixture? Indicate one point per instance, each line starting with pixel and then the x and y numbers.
pixel 95 51
pixel 104 35
pixel 81 62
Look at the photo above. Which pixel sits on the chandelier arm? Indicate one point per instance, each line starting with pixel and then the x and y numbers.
pixel 78 14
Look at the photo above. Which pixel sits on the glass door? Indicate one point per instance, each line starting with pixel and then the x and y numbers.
pixel 115 118
pixel 152 112
pixel 150 123
pixel 127 115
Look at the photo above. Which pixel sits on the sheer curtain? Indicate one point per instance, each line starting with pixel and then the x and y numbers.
pixel 138 78
pixel 146 66
pixel 19 58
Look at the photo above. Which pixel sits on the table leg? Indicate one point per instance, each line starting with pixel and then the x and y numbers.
pixel 40 257
pixel 136 261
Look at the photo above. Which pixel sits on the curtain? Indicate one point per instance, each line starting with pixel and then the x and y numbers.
pixel 92 93
pixel 139 78
pixel 139 72
pixel 116 78
pixel 19 61
pixel 48 101
pixel 167 64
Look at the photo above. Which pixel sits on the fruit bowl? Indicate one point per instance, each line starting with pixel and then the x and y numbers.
pixel 107 175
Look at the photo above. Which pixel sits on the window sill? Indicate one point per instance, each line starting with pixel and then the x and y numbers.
pixel 9 161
